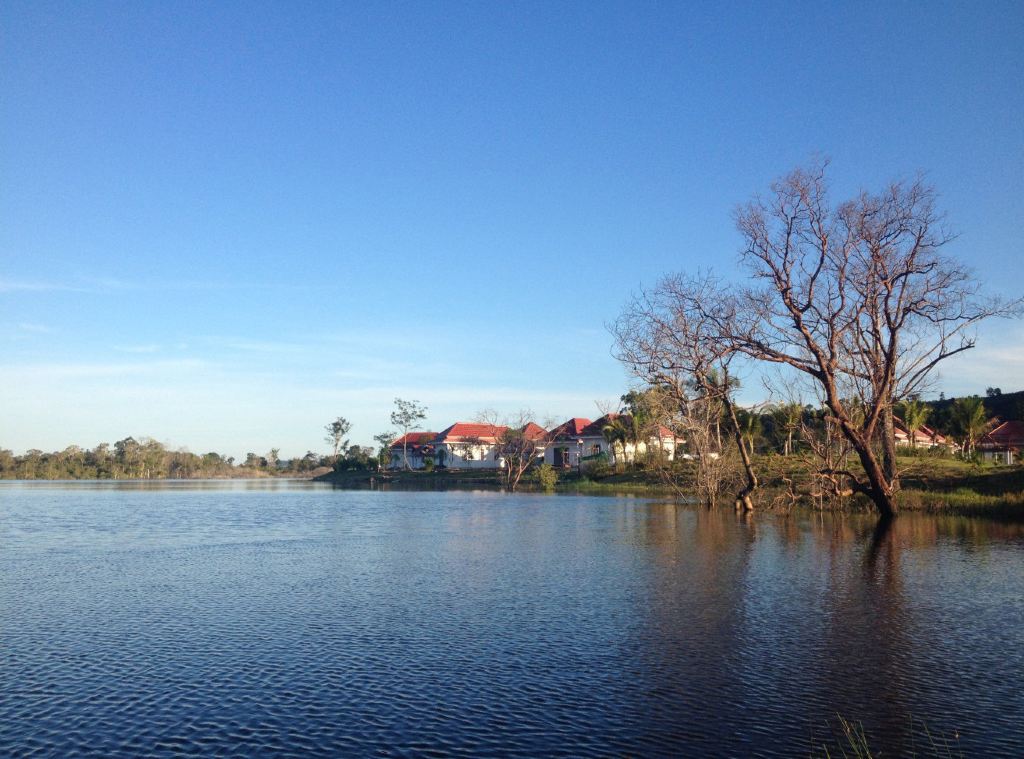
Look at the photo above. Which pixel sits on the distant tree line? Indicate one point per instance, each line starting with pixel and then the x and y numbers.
pixel 145 458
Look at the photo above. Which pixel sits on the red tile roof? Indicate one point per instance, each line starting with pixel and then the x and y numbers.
pixel 1006 435
pixel 924 433
pixel 414 439
pixel 572 428
pixel 666 434
pixel 463 431
pixel 596 428
pixel 534 432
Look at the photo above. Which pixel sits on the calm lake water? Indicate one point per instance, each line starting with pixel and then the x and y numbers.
pixel 279 619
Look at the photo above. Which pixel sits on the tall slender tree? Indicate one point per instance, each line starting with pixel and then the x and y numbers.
pixel 336 432
pixel 407 416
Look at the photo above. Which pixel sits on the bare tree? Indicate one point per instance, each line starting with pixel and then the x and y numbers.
pixel 858 299
pixel 668 337
pixel 407 417
pixel 692 416
pixel 828 452
pixel 518 441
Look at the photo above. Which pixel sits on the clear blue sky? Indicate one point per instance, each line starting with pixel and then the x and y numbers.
pixel 223 224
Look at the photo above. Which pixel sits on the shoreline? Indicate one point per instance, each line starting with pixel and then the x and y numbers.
pixel 990 492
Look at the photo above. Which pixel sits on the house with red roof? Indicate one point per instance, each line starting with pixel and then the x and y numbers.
pixel 566 443
pixel 922 437
pixel 1004 444
pixel 469 445
pixel 417 446
pixel 581 441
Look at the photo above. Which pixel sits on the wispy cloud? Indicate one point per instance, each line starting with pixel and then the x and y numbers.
pixel 35 286
pixel 109 284
pixel 989 366
pixel 11 376
pixel 34 328
pixel 148 348
pixel 261 346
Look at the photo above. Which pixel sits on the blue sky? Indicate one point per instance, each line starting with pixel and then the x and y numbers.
pixel 222 225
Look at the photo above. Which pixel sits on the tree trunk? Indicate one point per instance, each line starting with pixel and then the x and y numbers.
pixel 889 447
pixel 743 499
pixel 879 490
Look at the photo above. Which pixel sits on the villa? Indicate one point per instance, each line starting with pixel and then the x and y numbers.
pixel 566 443
pixel 580 441
pixel 469 445
pixel 1003 444
pixel 923 437
pixel 418 446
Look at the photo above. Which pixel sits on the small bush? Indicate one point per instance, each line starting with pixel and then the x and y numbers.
pixel 428 464
pixel 546 477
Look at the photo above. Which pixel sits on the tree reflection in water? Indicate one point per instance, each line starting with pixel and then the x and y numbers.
pixel 758 628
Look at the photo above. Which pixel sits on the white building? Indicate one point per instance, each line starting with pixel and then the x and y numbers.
pixel 468 445
pixel 579 440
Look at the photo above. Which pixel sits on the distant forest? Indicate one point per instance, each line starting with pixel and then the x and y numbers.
pixel 999 406
pixel 145 458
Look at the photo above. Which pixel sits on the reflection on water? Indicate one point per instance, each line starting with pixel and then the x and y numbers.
pixel 289 618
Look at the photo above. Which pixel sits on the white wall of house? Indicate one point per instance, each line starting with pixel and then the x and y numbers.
pixel 923 441
pixel 468 456
pixel 597 445
pixel 997 457
pixel 630 452
pixel 591 446
pixel 398 460
pixel 551 453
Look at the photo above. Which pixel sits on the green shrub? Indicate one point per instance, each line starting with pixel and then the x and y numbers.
pixel 428 464
pixel 546 477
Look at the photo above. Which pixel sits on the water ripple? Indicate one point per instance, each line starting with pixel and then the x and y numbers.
pixel 242 622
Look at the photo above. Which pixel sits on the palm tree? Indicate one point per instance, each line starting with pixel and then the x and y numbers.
pixel 914 414
pixel 970 420
pixel 616 433
pixel 787 416
pixel 750 427
pixel 718 386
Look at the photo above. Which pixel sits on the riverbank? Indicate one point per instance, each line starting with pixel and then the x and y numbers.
pixel 929 484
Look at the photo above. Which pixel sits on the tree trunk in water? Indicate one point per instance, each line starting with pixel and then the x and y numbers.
pixel 743 499
pixel 889 448
pixel 879 490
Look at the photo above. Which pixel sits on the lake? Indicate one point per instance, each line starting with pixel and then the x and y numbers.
pixel 290 619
